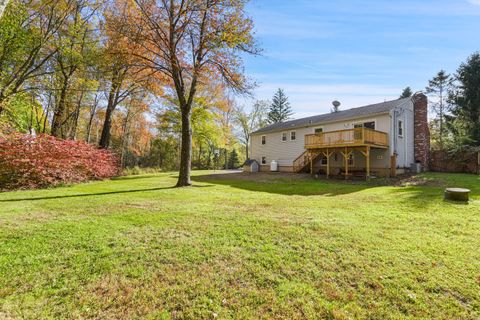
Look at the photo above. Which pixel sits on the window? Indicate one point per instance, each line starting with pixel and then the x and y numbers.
pixel 351 161
pixel 264 160
pixel 284 136
pixel 318 130
pixel 323 161
pixel 368 125
pixel 264 139
pixel 400 128
pixel 293 135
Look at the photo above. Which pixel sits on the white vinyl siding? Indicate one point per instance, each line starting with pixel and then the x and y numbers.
pixel 285 152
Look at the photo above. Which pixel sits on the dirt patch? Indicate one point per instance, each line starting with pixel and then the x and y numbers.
pixel 418 181
pixel 269 177
pixel 257 176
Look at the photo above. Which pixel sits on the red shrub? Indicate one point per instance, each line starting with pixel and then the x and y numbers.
pixel 42 161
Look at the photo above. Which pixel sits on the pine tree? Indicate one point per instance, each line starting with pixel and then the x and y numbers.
pixel 233 161
pixel 439 86
pixel 280 109
pixel 465 118
pixel 407 92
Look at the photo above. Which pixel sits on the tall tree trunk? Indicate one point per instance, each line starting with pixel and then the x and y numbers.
pixel 89 127
pixel 107 124
pixel 112 104
pixel 186 150
pixel 125 138
pixel 93 112
pixel 59 112
pixel 76 115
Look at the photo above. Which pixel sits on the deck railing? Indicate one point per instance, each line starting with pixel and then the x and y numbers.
pixel 340 138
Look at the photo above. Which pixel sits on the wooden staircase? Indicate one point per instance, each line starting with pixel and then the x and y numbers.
pixel 302 163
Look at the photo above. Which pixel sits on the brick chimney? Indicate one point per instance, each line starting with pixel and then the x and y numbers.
pixel 421 130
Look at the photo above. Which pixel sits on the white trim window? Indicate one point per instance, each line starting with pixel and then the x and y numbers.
pixel 293 135
pixel 284 136
pixel 370 124
pixel 400 128
pixel 264 160
pixel 264 140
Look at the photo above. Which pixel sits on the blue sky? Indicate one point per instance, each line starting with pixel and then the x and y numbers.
pixel 357 52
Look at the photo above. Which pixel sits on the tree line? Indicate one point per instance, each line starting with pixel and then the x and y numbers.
pixel 153 80
pixel 455 106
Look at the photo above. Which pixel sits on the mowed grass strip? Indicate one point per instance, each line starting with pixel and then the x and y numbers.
pixel 241 246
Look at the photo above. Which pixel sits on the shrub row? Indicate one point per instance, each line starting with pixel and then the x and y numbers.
pixel 42 161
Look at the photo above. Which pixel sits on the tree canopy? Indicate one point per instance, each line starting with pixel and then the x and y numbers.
pixel 464 120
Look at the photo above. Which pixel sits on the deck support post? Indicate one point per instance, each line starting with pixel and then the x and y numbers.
pixel 346 163
pixel 393 165
pixel 366 153
pixel 346 155
pixel 311 163
pixel 327 155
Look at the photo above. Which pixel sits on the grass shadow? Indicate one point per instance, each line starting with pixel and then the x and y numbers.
pixel 285 183
pixel 93 194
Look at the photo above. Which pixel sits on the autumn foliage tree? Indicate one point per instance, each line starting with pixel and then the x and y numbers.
pixel 190 41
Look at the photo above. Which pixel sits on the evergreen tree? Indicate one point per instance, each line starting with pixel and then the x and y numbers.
pixel 439 86
pixel 465 119
pixel 407 92
pixel 280 109
pixel 233 161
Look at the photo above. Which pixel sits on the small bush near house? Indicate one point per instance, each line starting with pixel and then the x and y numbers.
pixel 43 161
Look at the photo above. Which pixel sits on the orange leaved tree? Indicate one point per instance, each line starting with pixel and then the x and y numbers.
pixel 189 42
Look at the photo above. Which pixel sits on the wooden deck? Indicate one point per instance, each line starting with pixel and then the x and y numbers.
pixel 344 141
pixel 347 138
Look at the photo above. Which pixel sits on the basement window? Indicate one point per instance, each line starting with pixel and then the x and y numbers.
pixel 351 160
pixel 264 160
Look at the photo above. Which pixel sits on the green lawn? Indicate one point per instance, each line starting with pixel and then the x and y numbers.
pixel 237 246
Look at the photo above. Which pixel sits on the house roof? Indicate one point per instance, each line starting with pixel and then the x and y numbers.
pixel 377 108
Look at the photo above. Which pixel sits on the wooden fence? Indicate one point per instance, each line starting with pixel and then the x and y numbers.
pixel 460 162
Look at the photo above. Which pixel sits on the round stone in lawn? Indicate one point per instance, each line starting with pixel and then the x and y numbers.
pixel 457 194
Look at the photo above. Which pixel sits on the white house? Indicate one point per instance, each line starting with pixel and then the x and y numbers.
pixel 380 139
